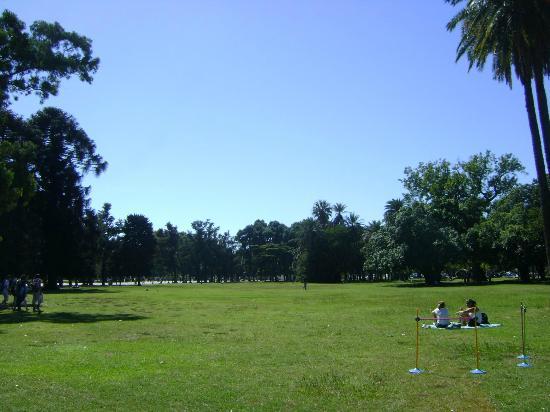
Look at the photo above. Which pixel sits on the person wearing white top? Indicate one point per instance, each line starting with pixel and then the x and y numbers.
pixel 441 315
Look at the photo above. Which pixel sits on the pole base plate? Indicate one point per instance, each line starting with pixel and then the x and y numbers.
pixel 415 371
pixel 522 356
pixel 524 365
pixel 478 372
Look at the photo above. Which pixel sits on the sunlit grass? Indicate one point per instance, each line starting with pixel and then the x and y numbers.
pixel 262 346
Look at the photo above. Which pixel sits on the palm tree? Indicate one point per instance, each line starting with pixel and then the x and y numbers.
pixel 353 220
pixel 322 211
pixel 339 209
pixel 516 34
pixel 392 207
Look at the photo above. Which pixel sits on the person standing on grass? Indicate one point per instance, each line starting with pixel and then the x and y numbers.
pixel 37 295
pixel 5 290
pixel 13 290
pixel 441 315
pixel 21 290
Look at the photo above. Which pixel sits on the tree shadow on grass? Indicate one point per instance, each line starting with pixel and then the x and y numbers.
pixel 67 317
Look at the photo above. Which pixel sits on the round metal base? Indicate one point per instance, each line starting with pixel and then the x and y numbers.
pixel 415 371
pixel 478 372
pixel 523 357
pixel 524 365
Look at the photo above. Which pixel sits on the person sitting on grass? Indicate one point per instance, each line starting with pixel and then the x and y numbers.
pixel 471 316
pixel 441 315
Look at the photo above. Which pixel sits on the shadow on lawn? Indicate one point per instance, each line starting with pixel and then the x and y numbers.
pixel 67 317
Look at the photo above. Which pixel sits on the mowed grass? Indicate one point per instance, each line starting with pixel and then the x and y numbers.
pixel 270 346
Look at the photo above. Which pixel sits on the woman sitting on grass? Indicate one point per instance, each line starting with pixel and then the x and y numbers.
pixel 441 315
pixel 471 316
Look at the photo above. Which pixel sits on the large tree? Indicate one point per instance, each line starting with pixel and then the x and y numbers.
pixel 64 154
pixel 35 60
pixel 137 247
pixel 457 198
pixel 514 231
pixel 516 34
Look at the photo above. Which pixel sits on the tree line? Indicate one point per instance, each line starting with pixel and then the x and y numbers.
pixel 470 217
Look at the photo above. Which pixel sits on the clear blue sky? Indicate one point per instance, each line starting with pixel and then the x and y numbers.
pixel 242 110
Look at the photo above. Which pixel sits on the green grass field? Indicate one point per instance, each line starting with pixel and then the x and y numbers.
pixel 262 346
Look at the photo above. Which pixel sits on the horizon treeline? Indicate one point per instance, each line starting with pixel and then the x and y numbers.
pixel 470 217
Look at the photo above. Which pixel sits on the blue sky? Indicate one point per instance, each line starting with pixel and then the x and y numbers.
pixel 241 110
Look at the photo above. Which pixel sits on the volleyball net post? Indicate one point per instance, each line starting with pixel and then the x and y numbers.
pixel 477 370
pixel 416 370
pixel 523 356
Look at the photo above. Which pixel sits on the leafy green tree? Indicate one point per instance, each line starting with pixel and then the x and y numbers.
pixel 35 60
pixel 137 247
pixel 427 244
pixel 167 254
pixel 383 253
pixel 324 253
pixel 250 238
pixel 514 231
pixel 64 154
pixel 205 249
pixel 278 232
pixel 460 196
pixel 89 248
pixel 109 231
pixel 515 34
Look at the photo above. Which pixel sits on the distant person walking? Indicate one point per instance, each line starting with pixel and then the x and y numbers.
pixel 21 290
pixel 13 290
pixel 37 295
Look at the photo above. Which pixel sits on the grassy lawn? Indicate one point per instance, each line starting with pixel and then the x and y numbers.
pixel 264 346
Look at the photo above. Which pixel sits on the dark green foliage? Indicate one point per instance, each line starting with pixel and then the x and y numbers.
pixel 136 247
pixel 450 218
pixel 36 60
pixel 64 153
pixel 322 211
pixel 514 230
pixel 328 254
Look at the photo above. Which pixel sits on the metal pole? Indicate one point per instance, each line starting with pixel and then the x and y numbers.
pixel 523 356
pixel 477 371
pixel 416 369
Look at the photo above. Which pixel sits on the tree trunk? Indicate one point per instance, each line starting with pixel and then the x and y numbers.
pixel 477 273
pixel 539 164
pixel 543 115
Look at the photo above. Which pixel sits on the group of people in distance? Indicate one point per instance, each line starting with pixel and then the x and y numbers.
pixel 19 289
pixel 469 316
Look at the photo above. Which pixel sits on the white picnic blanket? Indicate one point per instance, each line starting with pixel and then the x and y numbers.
pixel 451 327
